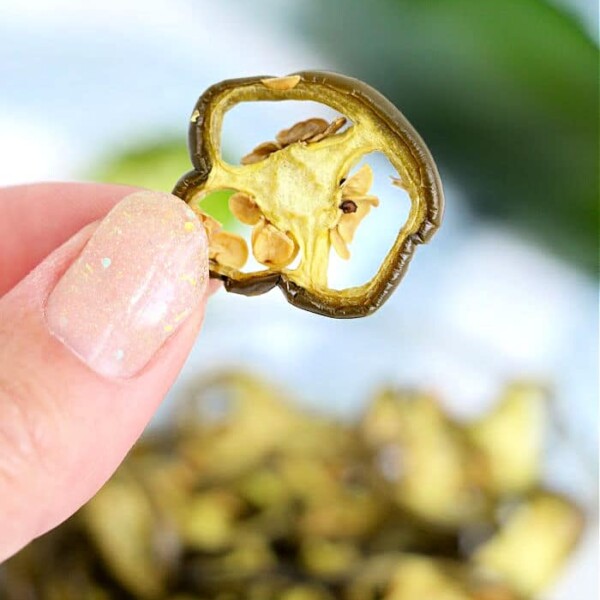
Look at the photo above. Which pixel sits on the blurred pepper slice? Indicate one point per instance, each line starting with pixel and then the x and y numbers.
pixel 247 497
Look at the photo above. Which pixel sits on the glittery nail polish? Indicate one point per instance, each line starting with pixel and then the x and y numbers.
pixel 144 270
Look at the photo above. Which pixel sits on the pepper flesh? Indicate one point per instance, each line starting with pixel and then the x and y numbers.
pixel 297 188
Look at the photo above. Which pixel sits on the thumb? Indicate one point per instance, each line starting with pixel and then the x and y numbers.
pixel 90 342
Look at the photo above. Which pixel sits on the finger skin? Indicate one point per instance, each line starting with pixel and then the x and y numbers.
pixel 63 428
pixel 35 219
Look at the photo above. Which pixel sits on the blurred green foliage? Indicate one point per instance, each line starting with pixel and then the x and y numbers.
pixel 505 92
pixel 155 165
pixel 158 165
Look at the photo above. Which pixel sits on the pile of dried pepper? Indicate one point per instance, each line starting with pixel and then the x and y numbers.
pixel 247 496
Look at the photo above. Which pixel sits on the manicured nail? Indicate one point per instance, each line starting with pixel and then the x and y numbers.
pixel 141 274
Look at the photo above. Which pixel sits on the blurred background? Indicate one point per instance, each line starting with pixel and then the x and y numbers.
pixel 505 94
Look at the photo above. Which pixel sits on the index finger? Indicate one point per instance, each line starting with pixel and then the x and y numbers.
pixel 36 219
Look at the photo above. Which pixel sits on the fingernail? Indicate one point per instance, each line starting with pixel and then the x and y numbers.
pixel 142 273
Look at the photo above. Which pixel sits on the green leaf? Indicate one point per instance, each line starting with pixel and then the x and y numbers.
pixel 157 166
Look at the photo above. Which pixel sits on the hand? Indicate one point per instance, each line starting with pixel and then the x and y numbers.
pixel 96 320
